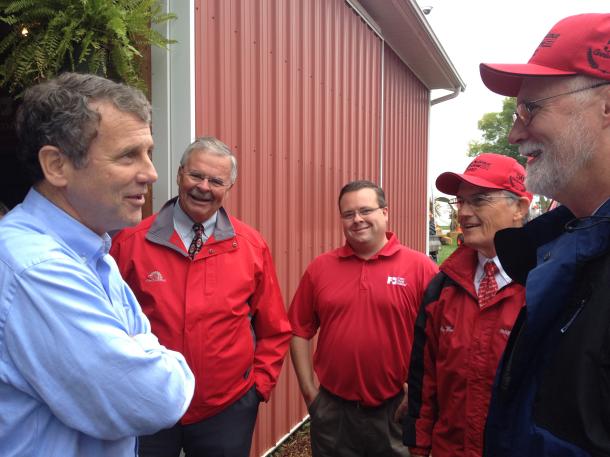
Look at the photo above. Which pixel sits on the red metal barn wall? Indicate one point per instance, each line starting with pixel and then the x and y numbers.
pixel 294 88
pixel 405 151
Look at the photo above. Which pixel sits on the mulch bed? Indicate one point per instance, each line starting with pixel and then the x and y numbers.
pixel 297 445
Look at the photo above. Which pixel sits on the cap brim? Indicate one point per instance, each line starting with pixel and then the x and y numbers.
pixel 506 79
pixel 449 183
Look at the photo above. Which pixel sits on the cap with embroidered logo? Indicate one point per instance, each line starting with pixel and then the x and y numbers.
pixel 488 170
pixel 576 45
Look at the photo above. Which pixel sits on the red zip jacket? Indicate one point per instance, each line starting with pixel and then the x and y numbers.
pixel 223 310
pixel 455 354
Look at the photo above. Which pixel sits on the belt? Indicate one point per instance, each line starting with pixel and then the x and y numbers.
pixel 358 404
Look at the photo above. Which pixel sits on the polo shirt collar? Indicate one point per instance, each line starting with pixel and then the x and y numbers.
pixel 389 249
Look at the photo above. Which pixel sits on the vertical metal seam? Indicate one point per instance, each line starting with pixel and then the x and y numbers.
pixel 368 20
pixel 381 112
pixel 357 8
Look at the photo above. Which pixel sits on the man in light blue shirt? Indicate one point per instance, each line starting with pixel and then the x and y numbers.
pixel 81 374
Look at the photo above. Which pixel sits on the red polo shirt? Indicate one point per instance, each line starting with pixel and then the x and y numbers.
pixel 365 311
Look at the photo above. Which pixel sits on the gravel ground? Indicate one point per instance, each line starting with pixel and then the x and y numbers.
pixel 297 445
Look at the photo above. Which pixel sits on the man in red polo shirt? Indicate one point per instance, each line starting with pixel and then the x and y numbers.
pixel 363 297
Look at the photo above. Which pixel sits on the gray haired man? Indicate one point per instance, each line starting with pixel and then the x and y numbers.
pixel 81 374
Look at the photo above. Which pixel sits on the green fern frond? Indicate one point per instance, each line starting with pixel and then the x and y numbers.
pixel 100 36
pixel 17 6
pixel 10 20
pixel 7 42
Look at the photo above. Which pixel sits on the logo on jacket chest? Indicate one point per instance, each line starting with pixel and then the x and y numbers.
pixel 155 276
pixel 505 332
pixel 447 329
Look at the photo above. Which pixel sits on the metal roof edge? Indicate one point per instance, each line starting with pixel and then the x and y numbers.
pixel 406 30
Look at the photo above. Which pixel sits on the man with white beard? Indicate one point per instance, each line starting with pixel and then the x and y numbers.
pixel 551 395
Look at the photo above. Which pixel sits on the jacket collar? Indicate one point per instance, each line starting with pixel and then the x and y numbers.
pixel 162 229
pixel 517 247
pixel 461 266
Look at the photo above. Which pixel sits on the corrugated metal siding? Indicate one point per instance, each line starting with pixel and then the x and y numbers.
pixel 405 162
pixel 293 87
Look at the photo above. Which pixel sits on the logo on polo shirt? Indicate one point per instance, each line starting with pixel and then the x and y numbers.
pixel 447 328
pixel 397 281
pixel 155 276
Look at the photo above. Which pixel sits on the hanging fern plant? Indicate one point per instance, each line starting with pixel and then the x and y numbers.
pixel 96 36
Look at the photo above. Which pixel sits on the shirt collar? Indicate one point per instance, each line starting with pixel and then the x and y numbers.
pixel 83 241
pixel 388 249
pixel 481 270
pixel 184 224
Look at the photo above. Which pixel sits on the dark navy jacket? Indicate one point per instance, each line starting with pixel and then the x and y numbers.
pixel 551 395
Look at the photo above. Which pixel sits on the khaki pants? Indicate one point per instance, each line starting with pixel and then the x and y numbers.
pixel 341 428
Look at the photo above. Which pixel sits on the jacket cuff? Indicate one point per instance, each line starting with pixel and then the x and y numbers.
pixel 262 391
pixel 419 451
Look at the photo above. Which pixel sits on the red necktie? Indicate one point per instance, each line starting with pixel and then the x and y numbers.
pixel 197 242
pixel 488 286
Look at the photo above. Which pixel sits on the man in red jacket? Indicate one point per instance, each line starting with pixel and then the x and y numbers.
pixel 363 297
pixel 208 285
pixel 467 314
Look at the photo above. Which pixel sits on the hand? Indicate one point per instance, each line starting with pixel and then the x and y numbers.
pixel 310 395
pixel 401 411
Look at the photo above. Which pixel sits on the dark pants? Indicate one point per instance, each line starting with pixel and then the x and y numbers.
pixel 341 428
pixel 227 434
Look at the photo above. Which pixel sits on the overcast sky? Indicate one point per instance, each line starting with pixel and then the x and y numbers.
pixel 491 31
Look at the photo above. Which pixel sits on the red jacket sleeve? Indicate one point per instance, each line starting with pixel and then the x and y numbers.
pixel 422 413
pixel 271 327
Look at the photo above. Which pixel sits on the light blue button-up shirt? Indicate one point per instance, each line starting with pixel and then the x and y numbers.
pixel 80 372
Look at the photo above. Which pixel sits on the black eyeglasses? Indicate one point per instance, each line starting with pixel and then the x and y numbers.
pixel 349 215
pixel 199 178
pixel 525 110
pixel 477 200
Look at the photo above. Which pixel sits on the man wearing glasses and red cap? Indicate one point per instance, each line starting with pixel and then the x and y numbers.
pixel 551 395
pixel 467 314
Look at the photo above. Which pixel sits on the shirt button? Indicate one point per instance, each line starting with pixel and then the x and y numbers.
pixel 234 244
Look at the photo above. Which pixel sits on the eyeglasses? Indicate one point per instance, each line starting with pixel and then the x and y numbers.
pixel 525 110
pixel 477 200
pixel 199 178
pixel 349 215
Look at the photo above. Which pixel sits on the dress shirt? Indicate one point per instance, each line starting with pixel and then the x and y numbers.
pixel 183 224
pixel 80 372
pixel 502 279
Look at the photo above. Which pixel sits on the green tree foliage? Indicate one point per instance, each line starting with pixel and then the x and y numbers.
pixel 95 36
pixel 495 128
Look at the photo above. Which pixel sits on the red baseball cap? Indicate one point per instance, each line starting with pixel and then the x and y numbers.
pixel 491 171
pixel 576 45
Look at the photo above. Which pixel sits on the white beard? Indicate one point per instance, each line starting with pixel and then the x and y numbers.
pixel 561 160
